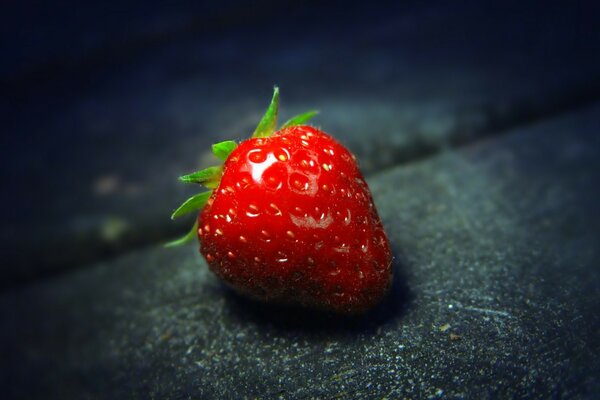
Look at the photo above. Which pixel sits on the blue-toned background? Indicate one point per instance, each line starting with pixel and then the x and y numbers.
pixel 476 124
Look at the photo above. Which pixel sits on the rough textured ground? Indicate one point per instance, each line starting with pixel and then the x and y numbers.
pixel 105 109
pixel 496 296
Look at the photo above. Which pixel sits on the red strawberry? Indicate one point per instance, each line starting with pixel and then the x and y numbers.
pixel 292 220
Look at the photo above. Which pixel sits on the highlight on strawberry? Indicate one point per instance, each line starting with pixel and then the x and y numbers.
pixel 288 218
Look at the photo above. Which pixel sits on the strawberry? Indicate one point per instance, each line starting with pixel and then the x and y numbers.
pixel 291 219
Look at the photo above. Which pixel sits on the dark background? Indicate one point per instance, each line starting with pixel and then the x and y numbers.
pixel 476 124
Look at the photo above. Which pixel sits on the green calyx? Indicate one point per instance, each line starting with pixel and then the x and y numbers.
pixel 190 236
pixel 268 122
pixel 208 177
pixel 211 176
pixel 299 119
pixel 223 149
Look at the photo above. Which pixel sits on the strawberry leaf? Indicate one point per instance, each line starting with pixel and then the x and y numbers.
pixel 223 149
pixel 300 119
pixel 192 204
pixel 208 177
pixel 188 237
pixel 268 122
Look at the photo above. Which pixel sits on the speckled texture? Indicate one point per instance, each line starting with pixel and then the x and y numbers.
pixel 293 222
pixel 496 296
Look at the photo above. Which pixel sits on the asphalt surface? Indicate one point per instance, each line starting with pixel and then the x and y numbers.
pixel 477 126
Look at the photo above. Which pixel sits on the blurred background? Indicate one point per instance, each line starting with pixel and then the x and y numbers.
pixel 104 104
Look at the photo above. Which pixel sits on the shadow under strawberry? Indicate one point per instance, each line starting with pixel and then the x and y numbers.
pixel 292 318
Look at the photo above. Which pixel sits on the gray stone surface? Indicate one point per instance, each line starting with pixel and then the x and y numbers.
pixel 101 124
pixel 496 296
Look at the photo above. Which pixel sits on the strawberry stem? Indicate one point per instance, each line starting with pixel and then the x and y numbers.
pixel 268 123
